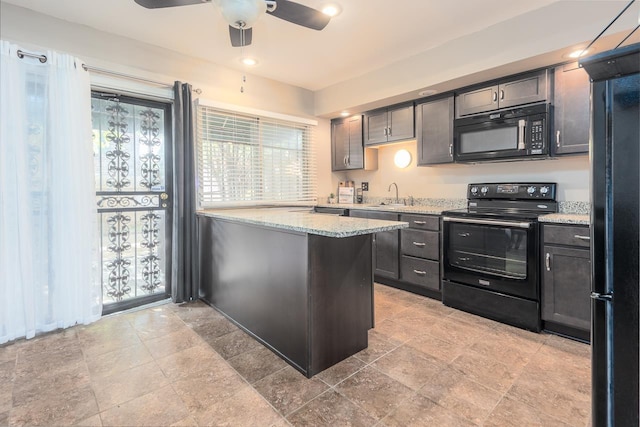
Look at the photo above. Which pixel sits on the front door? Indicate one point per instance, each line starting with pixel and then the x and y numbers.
pixel 132 152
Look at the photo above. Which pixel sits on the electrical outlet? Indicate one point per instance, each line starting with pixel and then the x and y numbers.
pixel 365 186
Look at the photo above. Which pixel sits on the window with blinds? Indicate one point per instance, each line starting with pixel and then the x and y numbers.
pixel 253 160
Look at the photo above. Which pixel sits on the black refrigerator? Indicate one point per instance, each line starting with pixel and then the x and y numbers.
pixel 615 191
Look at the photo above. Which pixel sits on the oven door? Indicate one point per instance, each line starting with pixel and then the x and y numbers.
pixel 501 256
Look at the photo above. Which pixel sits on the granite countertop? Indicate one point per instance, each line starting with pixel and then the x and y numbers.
pixel 430 210
pixel 565 218
pixel 304 220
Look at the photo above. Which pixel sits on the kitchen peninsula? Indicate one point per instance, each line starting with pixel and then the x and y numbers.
pixel 299 282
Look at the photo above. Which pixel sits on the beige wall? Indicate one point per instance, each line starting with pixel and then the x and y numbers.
pixel 450 181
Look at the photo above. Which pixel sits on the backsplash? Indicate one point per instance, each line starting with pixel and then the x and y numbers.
pixel 580 208
pixel 418 201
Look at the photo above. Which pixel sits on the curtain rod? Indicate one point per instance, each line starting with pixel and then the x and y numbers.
pixel 43 59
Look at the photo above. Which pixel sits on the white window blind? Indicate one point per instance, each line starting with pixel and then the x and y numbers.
pixel 244 159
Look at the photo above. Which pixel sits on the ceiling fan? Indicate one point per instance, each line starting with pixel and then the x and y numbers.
pixel 242 14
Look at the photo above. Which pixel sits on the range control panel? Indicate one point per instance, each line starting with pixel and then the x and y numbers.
pixel 511 191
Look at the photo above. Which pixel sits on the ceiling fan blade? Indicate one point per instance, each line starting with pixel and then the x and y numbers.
pixel 236 36
pixel 300 14
pixel 155 4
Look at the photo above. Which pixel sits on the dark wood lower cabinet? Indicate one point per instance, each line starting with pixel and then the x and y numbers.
pixel 385 245
pixel 308 298
pixel 566 281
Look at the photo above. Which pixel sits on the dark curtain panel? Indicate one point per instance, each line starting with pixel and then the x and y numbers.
pixel 184 266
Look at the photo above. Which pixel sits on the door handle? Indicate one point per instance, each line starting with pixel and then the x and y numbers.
pixel 450 150
pixel 521 126
pixel 344 160
pixel 386 131
pixel 547 261
pixel 602 297
pixel 389 131
pixel 164 197
pixel 558 138
pixel 495 96
pixel 348 160
pixel 501 95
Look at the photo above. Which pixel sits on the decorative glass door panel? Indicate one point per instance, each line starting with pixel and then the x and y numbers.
pixel 131 141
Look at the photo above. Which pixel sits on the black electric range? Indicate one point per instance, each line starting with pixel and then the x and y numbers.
pixel 491 256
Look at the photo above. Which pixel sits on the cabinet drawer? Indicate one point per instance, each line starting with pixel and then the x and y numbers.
pixel 420 272
pixel 420 243
pixel 422 222
pixel 567 235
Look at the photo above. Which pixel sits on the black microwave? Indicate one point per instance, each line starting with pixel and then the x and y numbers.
pixel 513 134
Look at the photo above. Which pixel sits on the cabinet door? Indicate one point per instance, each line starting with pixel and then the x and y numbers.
pixel 434 131
pixel 401 123
pixel 386 245
pixel 525 90
pixel 477 101
pixel 571 113
pixel 566 286
pixel 375 127
pixel 339 144
pixel 355 157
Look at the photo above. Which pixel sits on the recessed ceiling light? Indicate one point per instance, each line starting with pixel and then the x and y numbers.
pixel 577 53
pixel 427 92
pixel 249 62
pixel 331 9
pixel 344 113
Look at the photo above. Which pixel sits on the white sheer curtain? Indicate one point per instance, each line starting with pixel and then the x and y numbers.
pixel 47 196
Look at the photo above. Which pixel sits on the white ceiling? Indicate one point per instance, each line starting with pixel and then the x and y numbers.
pixel 368 35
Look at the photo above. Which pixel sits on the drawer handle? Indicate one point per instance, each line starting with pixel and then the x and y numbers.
pixel 577 236
pixel 464 258
pixel 464 234
pixel 419 244
pixel 420 222
pixel 420 272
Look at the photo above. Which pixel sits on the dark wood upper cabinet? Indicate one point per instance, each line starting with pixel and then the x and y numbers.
pixel 434 131
pixel 389 124
pixel 571 114
pixel 347 151
pixel 508 93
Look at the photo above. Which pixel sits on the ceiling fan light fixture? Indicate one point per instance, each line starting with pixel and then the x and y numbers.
pixel 242 13
pixel 331 9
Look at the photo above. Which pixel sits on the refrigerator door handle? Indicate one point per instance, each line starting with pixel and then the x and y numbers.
pixel 602 297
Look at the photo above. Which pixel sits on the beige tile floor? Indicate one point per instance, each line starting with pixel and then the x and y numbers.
pixel 184 365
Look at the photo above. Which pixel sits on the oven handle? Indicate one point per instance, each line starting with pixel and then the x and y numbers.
pixel 488 222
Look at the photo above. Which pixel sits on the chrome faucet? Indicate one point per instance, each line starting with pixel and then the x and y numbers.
pixel 392 184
